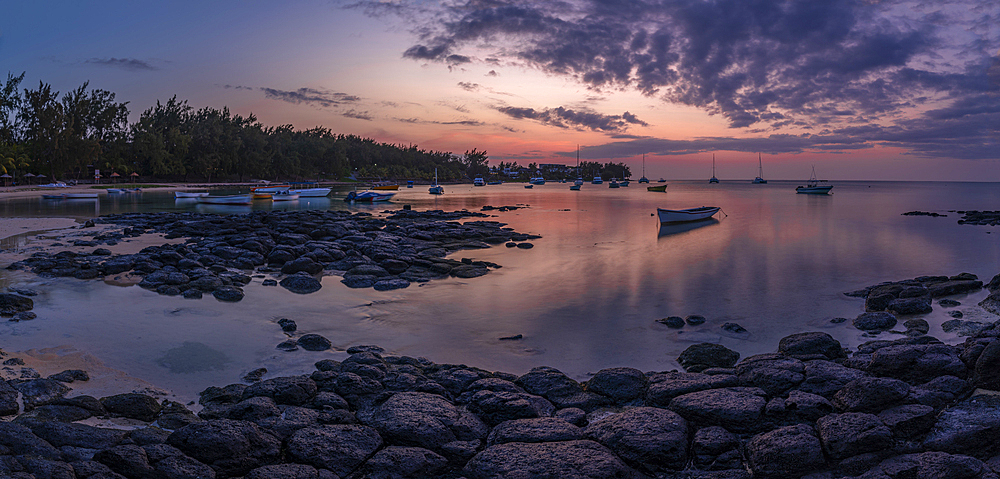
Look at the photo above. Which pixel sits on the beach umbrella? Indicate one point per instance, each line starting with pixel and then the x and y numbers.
pixel 29 175
pixel 134 174
pixel 5 177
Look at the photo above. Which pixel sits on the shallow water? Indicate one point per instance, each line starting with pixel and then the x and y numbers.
pixel 584 298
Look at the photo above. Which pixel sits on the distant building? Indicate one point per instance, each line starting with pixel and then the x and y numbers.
pixel 554 168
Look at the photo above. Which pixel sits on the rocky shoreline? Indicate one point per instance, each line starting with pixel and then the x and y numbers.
pixel 221 253
pixel 908 408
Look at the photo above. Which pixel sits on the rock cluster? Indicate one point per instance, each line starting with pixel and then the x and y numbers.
pixel 884 302
pixel 991 218
pixel 893 409
pixel 221 252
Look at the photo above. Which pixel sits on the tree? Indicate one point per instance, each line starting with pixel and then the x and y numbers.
pixel 10 103
pixel 475 162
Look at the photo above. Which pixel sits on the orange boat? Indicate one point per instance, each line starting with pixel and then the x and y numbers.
pixel 385 185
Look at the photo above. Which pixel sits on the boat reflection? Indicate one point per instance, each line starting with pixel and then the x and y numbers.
pixel 675 229
pixel 223 209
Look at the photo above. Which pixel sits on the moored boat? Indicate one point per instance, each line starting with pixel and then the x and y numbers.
pixel 479 181
pixel 284 196
pixel 385 186
pixel 660 188
pixel 189 194
pixel 713 179
pixel 643 179
pixel 597 180
pixel 226 200
pixel 613 183
pixel 368 196
pixel 813 187
pixel 685 215
pixel 759 180
pixel 436 189
pixel 575 187
pixel 271 188
pixel 538 180
pixel 310 192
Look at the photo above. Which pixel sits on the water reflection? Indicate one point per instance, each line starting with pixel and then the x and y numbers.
pixel 670 230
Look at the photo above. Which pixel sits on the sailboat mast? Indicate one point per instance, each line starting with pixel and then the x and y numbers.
pixel 760 166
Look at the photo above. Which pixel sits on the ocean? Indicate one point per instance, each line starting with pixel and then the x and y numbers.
pixel 585 297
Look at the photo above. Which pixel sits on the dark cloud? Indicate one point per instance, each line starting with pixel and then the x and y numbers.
pixel 358 115
pixel 467 86
pixel 566 118
pixel 131 64
pixel 492 73
pixel 238 87
pixel 311 96
pixel 825 62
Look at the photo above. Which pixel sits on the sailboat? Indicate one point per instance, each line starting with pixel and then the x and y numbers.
pixel 436 189
pixel 579 178
pixel 759 180
pixel 643 179
pixel 812 186
pixel 713 179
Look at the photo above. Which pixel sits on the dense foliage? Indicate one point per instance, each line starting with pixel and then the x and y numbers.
pixel 69 136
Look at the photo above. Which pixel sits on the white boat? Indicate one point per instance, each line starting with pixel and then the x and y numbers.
pixel 597 180
pixel 661 180
pixel 116 191
pixel 80 196
pixel 271 188
pixel 479 181
pixel 368 196
pixel 226 200
pixel 759 180
pixel 284 196
pixel 436 189
pixel 309 192
pixel 813 187
pixel 57 184
pixel 189 194
pixel 713 179
pixel 643 179
pixel 537 180
pixel 683 216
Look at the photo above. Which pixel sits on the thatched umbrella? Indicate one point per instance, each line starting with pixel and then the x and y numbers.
pixel 28 175
pixel 114 177
pixel 6 178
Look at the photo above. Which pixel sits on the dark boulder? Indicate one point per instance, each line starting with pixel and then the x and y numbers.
pixel 850 434
pixel 397 462
pixel 675 322
pixel 701 356
pixel 132 406
pixel 870 394
pixel 875 321
pixel 494 407
pixel 39 392
pixel 424 420
pixel 930 465
pixel 284 471
pixel 128 460
pixel 8 400
pixel 714 448
pixel 790 451
pixel 970 427
pixel 986 371
pixel 774 373
pixel 948 288
pixel 620 384
pixel 569 459
pixel 61 434
pixel 301 283
pixel 291 390
pixel 649 438
pixel 229 294
pixel 314 342
pixel 390 284
pixel 231 448
pixel 737 409
pixel 340 448
pixel 14 303
pixel 909 420
pixel 907 306
pixel 303 264
pixel 543 429
pixel 917 363
pixel 664 387
pixel 810 345
pixel 825 378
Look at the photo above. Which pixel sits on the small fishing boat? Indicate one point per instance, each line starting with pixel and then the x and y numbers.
pixel 683 216
pixel 226 200
pixel 271 188
pixel 529 186
pixel 57 184
pixel 813 187
pixel 495 182
pixel 713 179
pixel 368 196
pixel 660 188
pixel 661 180
pixel 189 194
pixel 759 180
pixel 262 196
pixel 385 186
pixel 623 183
pixel 116 191
pixel 409 183
pixel 52 197
pixel 309 192
pixel 284 196
pixel 479 181
pixel 436 189
pixel 613 183
pixel 537 180
pixel 80 196
pixel 597 180
pixel 575 187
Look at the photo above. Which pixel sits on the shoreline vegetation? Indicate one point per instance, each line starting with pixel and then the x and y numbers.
pixel 85 135
pixel 910 407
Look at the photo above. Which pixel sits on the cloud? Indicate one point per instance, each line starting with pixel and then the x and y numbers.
pixel 358 115
pixel 755 62
pixel 467 86
pixel 581 119
pixel 238 87
pixel 130 64
pixel 311 96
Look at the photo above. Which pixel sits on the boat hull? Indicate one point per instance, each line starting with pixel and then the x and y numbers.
pixel 186 194
pixel 284 197
pixel 686 215
pixel 814 190
pixel 369 197
pixel 311 192
pixel 386 187
pixel 575 188
pixel 660 188
pixel 226 200
pixel 436 190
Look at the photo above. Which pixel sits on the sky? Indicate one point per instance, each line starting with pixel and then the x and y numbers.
pixel 862 90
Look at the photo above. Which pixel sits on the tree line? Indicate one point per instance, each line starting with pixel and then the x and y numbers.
pixel 69 135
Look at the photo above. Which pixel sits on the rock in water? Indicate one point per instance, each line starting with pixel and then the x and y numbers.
pixel 876 321
pixel 301 283
pixel 12 303
pixel 314 342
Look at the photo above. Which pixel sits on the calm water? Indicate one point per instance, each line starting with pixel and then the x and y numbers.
pixel 585 297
